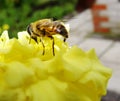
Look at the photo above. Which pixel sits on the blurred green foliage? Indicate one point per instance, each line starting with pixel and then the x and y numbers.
pixel 19 13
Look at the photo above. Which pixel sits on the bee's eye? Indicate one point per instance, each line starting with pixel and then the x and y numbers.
pixel 63 31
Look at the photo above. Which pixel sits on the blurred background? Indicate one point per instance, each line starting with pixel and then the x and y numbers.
pixel 93 24
pixel 15 15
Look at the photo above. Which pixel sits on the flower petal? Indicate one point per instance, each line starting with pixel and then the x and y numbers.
pixel 28 75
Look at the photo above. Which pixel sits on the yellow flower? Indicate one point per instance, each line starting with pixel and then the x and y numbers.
pixel 70 75
pixel 5 27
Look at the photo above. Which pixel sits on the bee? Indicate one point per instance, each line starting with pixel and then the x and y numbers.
pixel 47 28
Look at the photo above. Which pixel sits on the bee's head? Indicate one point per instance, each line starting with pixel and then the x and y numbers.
pixel 61 29
pixel 29 29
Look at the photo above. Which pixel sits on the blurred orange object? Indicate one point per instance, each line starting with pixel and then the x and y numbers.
pixel 97 19
pixel 99 7
pixel 100 19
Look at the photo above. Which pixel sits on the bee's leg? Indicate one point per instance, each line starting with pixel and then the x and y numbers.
pixel 64 39
pixel 53 45
pixel 30 40
pixel 34 38
pixel 42 45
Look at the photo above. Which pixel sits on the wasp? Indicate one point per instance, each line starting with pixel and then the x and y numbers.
pixel 47 28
